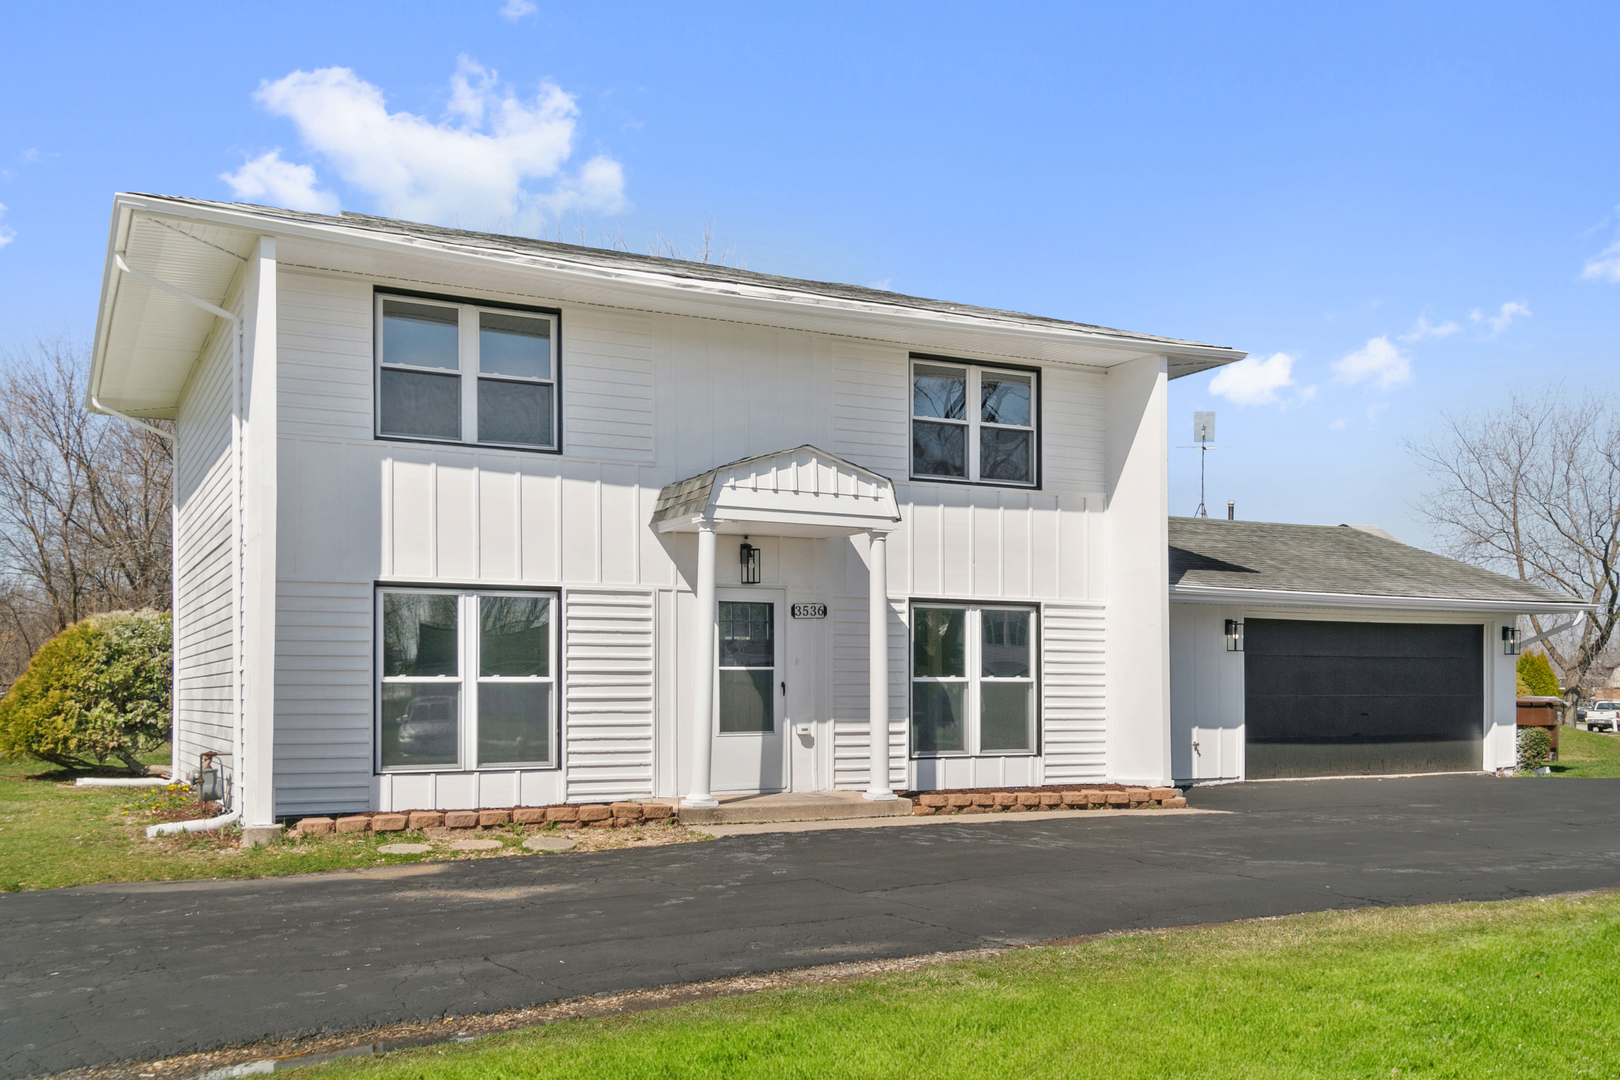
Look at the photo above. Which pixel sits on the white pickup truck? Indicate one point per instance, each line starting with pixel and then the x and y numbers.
pixel 1603 716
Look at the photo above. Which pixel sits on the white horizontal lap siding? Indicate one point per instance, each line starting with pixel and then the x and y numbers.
pixel 1074 452
pixel 323 356
pixel 204 638
pixel 607 730
pixel 871 407
pixel 851 704
pixel 1073 718
pixel 607 384
pixel 324 697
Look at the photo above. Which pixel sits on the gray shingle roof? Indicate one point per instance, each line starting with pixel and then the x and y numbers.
pixel 1334 559
pixel 707 272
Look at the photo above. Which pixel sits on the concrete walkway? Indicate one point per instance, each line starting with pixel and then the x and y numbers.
pixel 96 974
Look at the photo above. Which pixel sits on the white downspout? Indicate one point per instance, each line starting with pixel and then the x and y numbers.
pixel 174 519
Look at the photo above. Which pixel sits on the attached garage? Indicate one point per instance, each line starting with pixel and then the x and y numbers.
pixel 1305 650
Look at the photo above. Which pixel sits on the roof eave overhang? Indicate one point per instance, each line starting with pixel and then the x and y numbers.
pixel 651 284
pixel 122 215
pixel 1203 594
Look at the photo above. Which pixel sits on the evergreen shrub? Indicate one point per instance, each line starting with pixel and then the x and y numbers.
pixel 1537 675
pixel 1534 746
pixel 98 690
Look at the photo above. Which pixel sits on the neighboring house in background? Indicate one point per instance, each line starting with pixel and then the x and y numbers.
pixel 468 520
pixel 1311 650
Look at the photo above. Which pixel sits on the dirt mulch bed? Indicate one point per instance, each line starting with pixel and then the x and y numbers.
pixel 460 1028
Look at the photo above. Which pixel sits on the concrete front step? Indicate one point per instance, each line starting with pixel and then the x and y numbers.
pixel 792 806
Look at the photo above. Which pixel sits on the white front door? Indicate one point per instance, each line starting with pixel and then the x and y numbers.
pixel 749 744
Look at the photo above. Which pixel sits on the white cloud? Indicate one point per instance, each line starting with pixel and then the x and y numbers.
pixel 1501 320
pixel 6 235
pixel 1253 380
pixel 1425 329
pixel 31 154
pixel 1380 362
pixel 1605 267
pixel 1337 425
pixel 516 9
pixel 1374 410
pixel 476 168
pixel 268 179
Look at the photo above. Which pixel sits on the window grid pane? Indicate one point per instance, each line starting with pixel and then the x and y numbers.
pixel 993 443
pixel 978 700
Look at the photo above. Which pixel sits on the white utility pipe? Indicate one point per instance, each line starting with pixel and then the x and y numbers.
pixel 169 828
pixel 112 781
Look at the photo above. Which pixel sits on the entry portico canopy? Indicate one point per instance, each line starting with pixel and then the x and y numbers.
pixel 804 492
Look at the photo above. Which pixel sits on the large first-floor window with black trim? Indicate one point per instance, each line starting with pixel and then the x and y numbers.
pixel 466 679
pixel 972 679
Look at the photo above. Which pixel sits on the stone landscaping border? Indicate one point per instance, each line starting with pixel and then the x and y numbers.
pixel 622 815
pixel 619 815
pixel 1016 800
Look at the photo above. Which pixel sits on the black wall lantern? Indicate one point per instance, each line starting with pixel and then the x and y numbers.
pixel 1510 641
pixel 748 555
pixel 1234 635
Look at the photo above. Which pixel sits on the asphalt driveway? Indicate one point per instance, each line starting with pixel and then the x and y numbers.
pixel 101 973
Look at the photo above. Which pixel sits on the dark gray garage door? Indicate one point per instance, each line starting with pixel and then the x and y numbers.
pixel 1342 699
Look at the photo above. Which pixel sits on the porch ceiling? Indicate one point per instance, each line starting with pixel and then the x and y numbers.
pixel 804 491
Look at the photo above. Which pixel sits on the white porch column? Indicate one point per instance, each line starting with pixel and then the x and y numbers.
pixel 877 787
pixel 703 674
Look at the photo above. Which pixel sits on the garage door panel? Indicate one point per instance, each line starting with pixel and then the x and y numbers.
pixel 1413 677
pixel 1328 699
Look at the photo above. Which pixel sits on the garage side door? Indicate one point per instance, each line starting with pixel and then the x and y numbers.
pixel 1343 699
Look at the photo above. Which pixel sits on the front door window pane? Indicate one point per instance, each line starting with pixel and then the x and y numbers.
pixel 514 412
pixel 747 701
pixel 1004 454
pixel 1004 717
pixel 938 449
pixel 1004 399
pixel 1005 650
pixel 937 717
pixel 416 403
pixel 514 636
pixel 420 724
pixel 939 639
pixel 747 667
pixel 514 721
pixel 940 392
pixel 420 335
pixel 747 634
pixel 419 635
pixel 514 345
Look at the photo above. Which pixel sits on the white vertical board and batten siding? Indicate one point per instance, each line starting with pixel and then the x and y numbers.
pixel 647 399
pixel 205 629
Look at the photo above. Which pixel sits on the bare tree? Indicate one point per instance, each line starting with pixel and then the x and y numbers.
pixel 84 505
pixel 1533 490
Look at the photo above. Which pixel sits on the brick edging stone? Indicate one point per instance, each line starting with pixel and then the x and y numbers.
pixel 617 815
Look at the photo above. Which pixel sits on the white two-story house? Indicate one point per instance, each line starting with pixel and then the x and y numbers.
pixel 469 520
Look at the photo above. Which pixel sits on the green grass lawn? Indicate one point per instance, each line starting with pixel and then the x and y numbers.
pixel 1517 989
pixel 1586 753
pixel 53 834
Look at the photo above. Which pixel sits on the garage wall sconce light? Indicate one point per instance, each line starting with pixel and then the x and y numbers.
pixel 1234 635
pixel 1510 641
pixel 748 555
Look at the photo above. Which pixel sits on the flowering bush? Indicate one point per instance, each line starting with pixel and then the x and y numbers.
pixel 98 690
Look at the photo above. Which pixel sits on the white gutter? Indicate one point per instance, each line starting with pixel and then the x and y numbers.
pixel 1525 643
pixel 652 283
pixel 169 828
pixel 1204 594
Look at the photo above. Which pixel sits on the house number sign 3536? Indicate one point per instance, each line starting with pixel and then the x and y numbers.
pixel 809 611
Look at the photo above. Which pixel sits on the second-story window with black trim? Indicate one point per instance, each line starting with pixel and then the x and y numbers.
pixel 973 422
pixel 466 373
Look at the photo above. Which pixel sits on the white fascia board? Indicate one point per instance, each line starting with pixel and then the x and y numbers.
pixel 117 236
pixel 652 285
pixel 1195 594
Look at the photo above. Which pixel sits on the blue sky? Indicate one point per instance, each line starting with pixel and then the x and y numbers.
pixel 1415 205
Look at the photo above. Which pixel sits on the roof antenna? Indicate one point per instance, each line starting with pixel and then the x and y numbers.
pixel 1203 442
